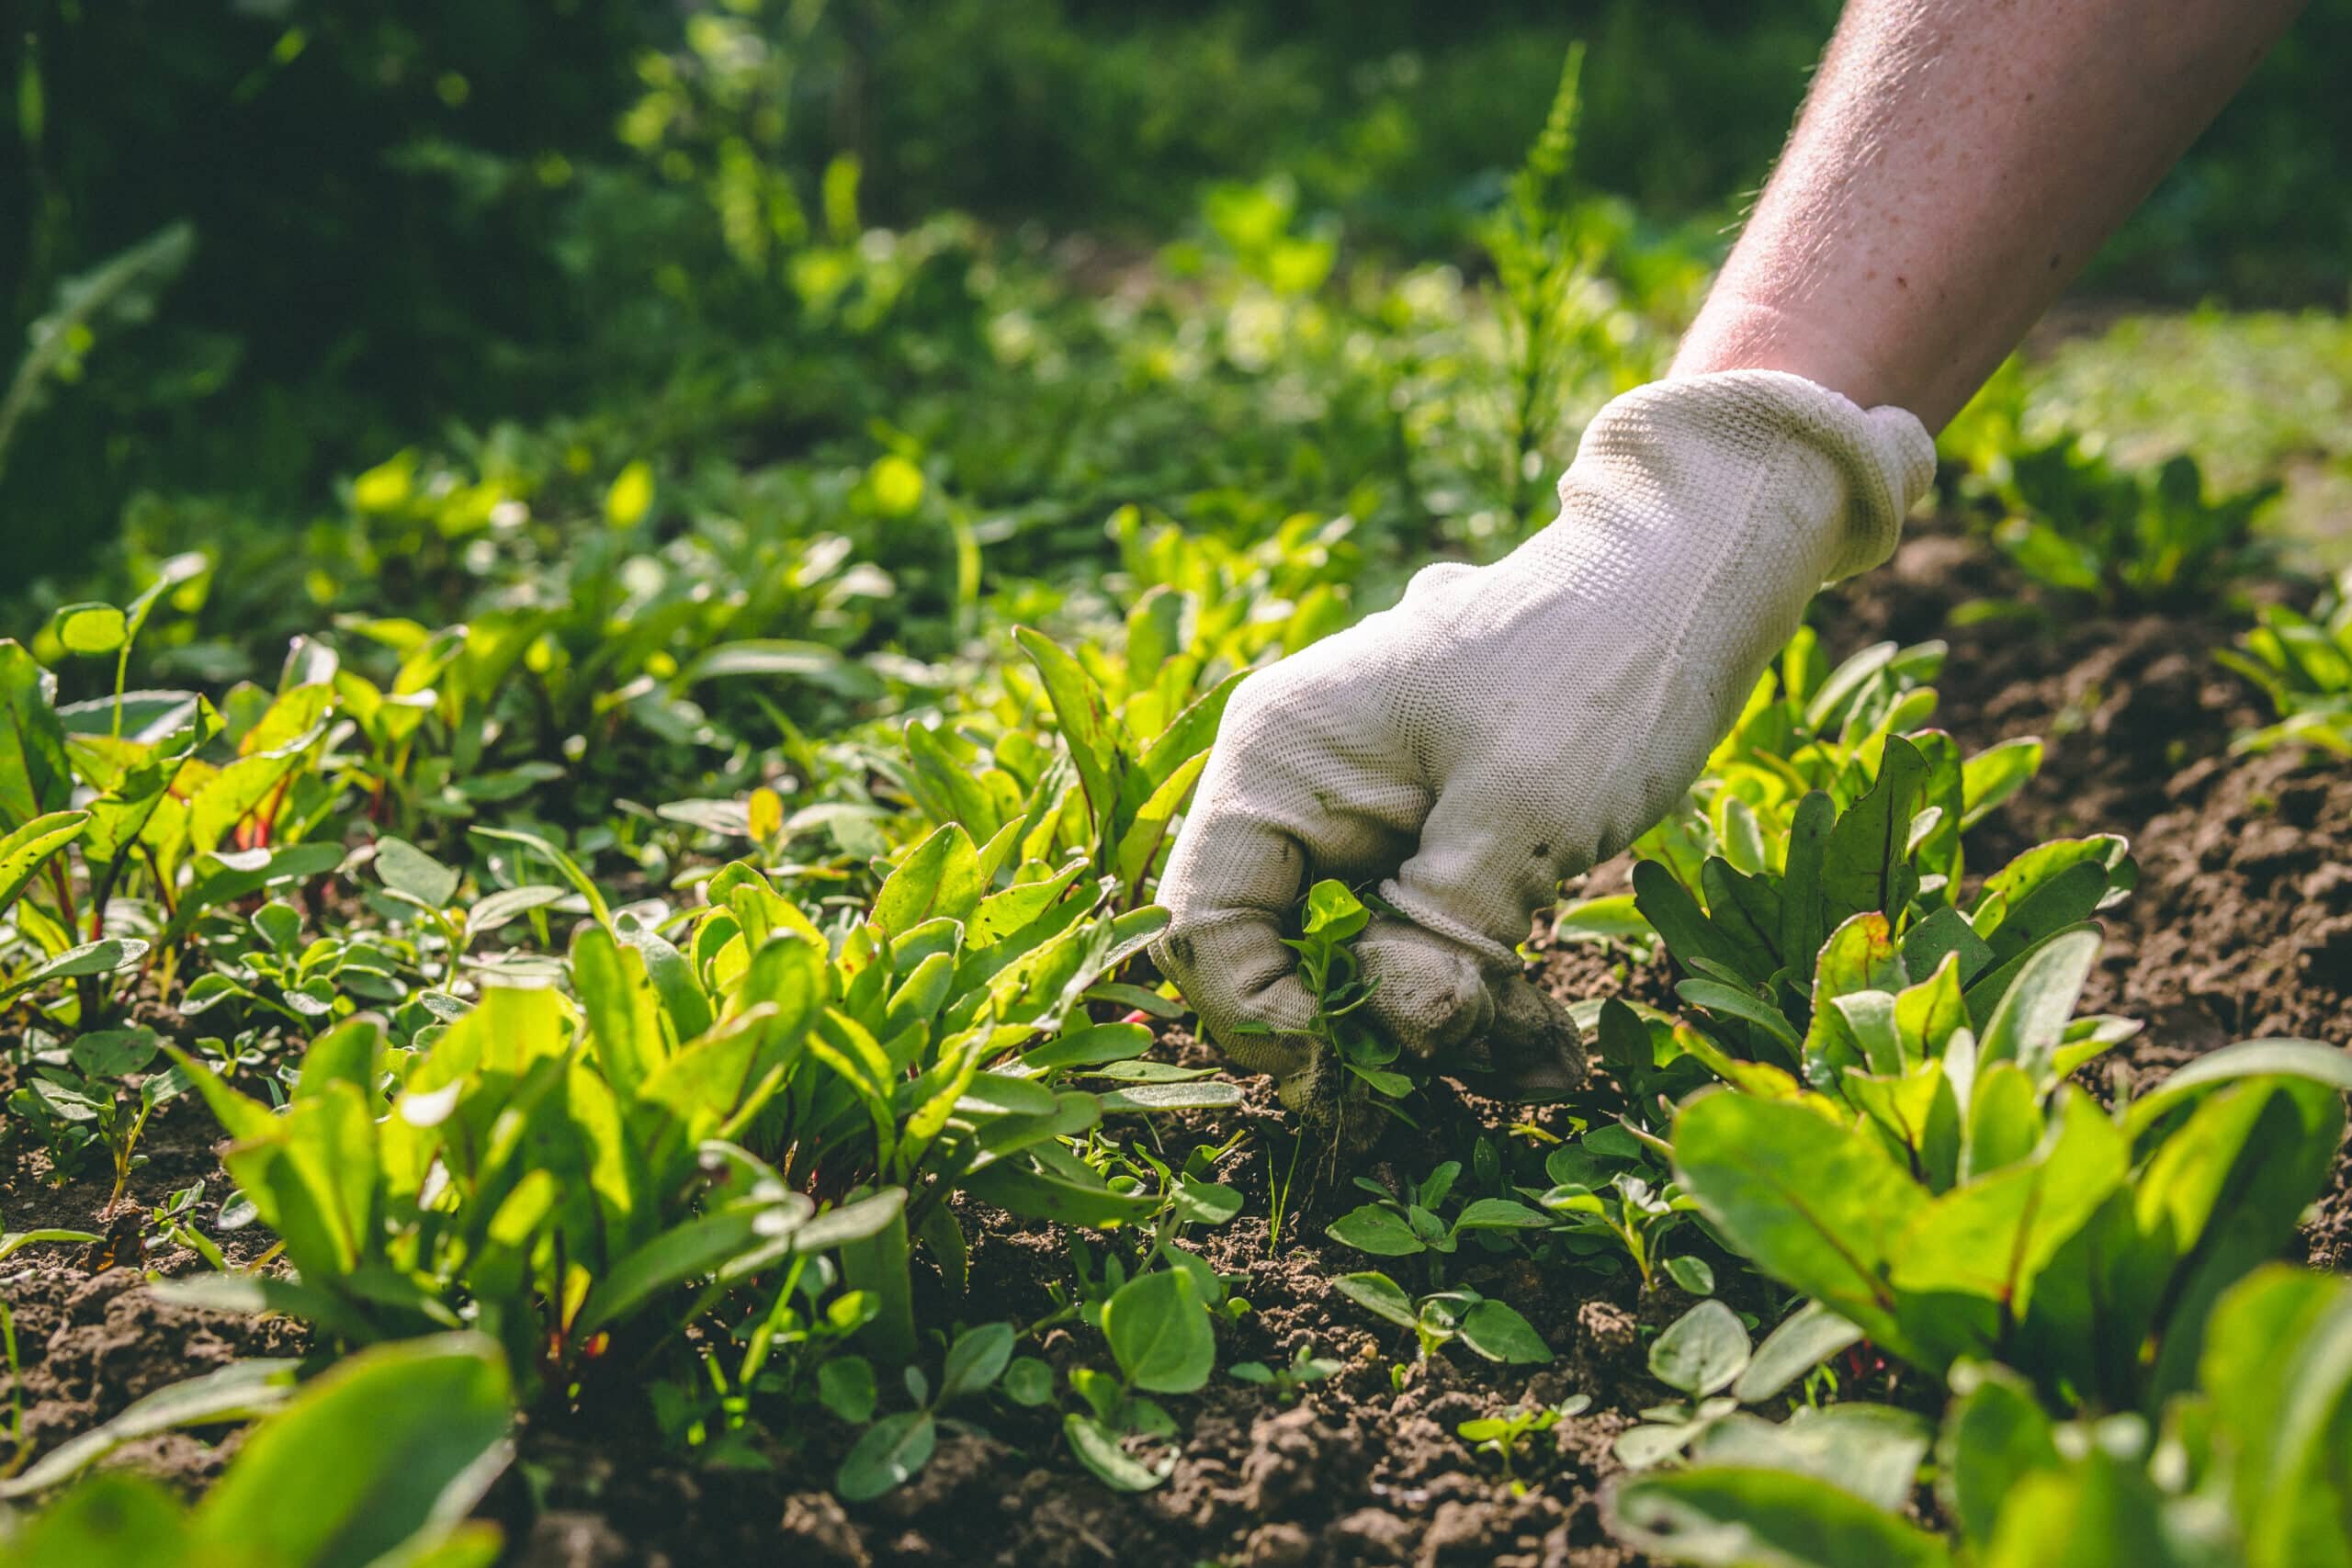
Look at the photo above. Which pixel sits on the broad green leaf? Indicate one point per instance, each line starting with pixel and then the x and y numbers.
pixel 1087 727
pixel 1734 1517
pixel 1032 1194
pixel 2100 1512
pixel 107 958
pixel 1871 1450
pixel 1378 1229
pixel 34 777
pixel 1097 1448
pixel 974 1361
pixel 391 1443
pixel 692 1250
pixel 237 1391
pixel 1499 1334
pixel 404 868
pixel 940 878
pixel 2277 1370
pixel 2029 1023
pixel 1089 1046
pixel 1815 1205
pixel 1701 1351
pixel 1863 864
pixel 887 1456
pixel 23 852
pixel 1806 1338
pixel 114 1520
pixel 1995 774
pixel 2309 1059
pixel 1164 1096
pixel 1378 1294
pixel 1989 1238
pixel 624 1015
pixel 1995 1435
pixel 1158 1330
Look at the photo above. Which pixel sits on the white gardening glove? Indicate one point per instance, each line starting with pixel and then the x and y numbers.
pixel 1510 725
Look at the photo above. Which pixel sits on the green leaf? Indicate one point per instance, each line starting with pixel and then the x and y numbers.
pixel 1032 1194
pixel 1732 1516
pixel 114 1520
pixel 237 1391
pixel 1158 1330
pixel 1086 726
pixel 845 1387
pixel 34 777
pixel 1871 1450
pixel 1499 1214
pixel 404 868
pixel 393 1442
pixel 1701 1351
pixel 1378 1294
pixel 1864 864
pixel 940 878
pixel 1989 1238
pixel 1814 1204
pixel 2029 1023
pixel 1097 1448
pixel 1161 1096
pixel 2102 1512
pixel 1995 774
pixel 1089 1046
pixel 1995 1435
pixel 692 1250
pixel 975 1361
pixel 1806 1338
pixel 1693 1274
pixel 23 852
pixel 1499 1334
pixel 1029 1381
pixel 568 868
pixel 2307 1059
pixel 887 1456
pixel 2277 1370
pixel 1378 1229
pixel 107 958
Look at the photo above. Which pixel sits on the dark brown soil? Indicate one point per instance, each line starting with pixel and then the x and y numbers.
pixel 2242 926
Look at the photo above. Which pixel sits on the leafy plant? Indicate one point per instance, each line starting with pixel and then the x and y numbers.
pixel 1492 1329
pixel 75 1099
pixel 1291 1379
pixel 379 1458
pixel 2246 1467
pixel 2304 666
pixel 2126 539
pixel 2020 1220
pixel 1501 1435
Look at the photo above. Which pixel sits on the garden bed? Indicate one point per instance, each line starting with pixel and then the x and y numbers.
pixel 2241 926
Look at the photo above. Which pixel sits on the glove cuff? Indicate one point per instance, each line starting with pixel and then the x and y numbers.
pixel 1852 472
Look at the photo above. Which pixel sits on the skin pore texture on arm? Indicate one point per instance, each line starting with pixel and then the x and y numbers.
pixel 1956 163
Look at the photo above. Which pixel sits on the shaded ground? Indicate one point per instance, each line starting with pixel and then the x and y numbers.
pixel 2242 926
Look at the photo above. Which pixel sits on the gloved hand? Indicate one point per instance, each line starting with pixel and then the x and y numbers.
pixel 1507 726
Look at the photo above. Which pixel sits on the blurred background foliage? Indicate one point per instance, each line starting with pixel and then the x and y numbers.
pixel 366 221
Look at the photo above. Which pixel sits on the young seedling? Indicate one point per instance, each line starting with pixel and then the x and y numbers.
pixel 1501 1435
pixel 1288 1382
pixel 1489 1328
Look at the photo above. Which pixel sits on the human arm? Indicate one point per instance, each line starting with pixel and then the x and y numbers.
pixel 1508 726
pixel 1957 162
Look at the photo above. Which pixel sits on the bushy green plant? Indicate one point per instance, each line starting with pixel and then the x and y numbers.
pixel 2303 664
pixel 2244 1467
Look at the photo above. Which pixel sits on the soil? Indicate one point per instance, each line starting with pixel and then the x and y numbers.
pixel 2241 926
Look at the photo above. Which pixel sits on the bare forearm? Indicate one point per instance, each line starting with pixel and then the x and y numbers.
pixel 1957 162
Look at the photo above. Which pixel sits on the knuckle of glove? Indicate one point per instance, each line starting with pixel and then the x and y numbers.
pixel 1429 992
